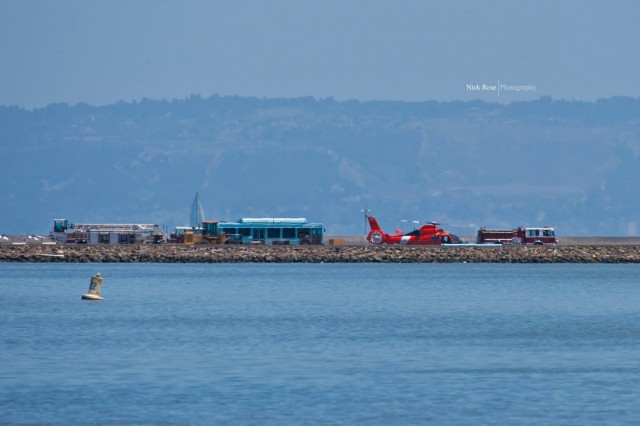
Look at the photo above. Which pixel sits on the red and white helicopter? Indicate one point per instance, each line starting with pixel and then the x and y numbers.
pixel 428 234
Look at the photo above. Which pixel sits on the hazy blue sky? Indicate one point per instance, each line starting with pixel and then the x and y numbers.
pixel 104 51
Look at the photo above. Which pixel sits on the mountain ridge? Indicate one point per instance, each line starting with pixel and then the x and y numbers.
pixel 569 164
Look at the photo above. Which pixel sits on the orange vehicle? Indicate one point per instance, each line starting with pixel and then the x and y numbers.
pixel 429 234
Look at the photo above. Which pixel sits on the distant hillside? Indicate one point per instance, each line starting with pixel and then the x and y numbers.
pixel 573 165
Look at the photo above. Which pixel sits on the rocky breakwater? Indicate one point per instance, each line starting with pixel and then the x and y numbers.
pixel 316 254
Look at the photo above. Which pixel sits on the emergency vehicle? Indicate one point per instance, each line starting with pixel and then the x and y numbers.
pixel 536 236
pixel 429 234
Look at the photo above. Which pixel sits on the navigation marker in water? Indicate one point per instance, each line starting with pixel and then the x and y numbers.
pixel 94 288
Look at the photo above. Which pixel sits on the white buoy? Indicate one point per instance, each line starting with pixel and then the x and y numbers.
pixel 94 288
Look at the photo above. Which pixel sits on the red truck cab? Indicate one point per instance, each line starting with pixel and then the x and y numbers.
pixel 538 236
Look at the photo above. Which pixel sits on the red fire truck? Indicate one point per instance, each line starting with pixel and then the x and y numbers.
pixel 536 236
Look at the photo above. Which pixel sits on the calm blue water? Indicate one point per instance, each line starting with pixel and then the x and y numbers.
pixel 320 344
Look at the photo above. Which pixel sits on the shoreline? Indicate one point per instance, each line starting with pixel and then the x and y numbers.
pixel 169 253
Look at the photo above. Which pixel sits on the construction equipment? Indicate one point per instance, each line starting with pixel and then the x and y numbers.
pixel 211 234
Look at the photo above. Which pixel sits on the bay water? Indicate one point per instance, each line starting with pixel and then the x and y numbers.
pixel 285 344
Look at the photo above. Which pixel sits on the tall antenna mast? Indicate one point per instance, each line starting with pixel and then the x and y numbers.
pixel 366 215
